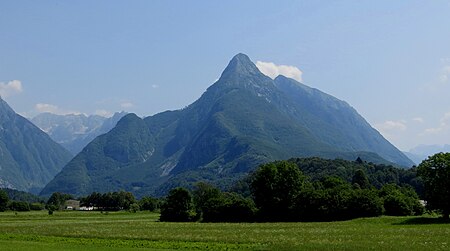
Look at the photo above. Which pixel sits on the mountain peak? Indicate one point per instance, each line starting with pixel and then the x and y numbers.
pixel 240 64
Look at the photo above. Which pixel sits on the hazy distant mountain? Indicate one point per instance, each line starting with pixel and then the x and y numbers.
pixel 428 150
pixel 29 158
pixel 75 131
pixel 421 152
pixel 241 121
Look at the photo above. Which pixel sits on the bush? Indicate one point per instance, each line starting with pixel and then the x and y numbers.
pixel 400 201
pixel 134 207
pixel 228 207
pixel 37 206
pixel 19 206
pixel 149 203
pixel 396 205
pixel 365 203
pixel 3 200
pixel 178 206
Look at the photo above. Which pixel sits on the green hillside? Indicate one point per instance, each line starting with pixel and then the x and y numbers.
pixel 29 159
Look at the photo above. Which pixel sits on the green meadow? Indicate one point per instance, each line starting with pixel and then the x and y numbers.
pixel 126 231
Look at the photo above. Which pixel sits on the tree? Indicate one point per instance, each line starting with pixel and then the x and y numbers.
pixel 134 207
pixel 207 199
pixel 400 201
pixel 212 205
pixel 360 178
pixel 178 206
pixel 275 187
pixel 57 200
pixel 19 206
pixel 435 172
pixel 122 200
pixel 3 200
pixel 364 203
pixel 236 208
pixel 149 203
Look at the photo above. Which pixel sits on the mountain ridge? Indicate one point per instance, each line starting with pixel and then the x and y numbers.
pixel 75 131
pixel 244 119
pixel 28 157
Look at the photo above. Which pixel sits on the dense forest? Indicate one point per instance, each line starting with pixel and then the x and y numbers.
pixel 280 191
pixel 299 189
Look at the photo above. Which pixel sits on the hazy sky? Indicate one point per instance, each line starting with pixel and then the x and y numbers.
pixel 389 59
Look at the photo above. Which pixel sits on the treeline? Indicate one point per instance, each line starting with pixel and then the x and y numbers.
pixel 19 201
pixel 314 167
pixel 111 201
pixel 120 201
pixel 279 191
pixel 377 174
pixel 308 189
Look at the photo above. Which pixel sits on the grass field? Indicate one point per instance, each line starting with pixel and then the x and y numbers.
pixel 125 231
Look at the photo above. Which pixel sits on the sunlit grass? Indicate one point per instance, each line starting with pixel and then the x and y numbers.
pixel 120 230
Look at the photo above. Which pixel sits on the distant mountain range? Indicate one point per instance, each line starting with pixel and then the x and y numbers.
pixel 241 121
pixel 421 152
pixel 75 131
pixel 29 158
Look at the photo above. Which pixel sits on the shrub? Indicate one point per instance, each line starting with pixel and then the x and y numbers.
pixel 37 206
pixel 20 206
pixel 178 206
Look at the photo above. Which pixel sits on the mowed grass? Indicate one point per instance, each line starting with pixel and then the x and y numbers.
pixel 126 231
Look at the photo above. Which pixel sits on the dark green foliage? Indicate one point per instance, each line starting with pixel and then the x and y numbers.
pixel 3 200
pixel 275 187
pixel 231 208
pixel 29 158
pixel 364 203
pixel 335 199
pixel 206 199
pixel 400 201
pixel 245 119
pixel 329 198
pixel 134 207
pixel 92 200
pixel 212 205
pixel 109 201
pixel 178 207
pixel 57 200
pixel 19 206
pixel 22 196
pixel 149 204
pixel 51 208
pixel 377 174
pixel 396 206
pixel 37 206
pixel 324 201
pixel 435 172
pixel 360 179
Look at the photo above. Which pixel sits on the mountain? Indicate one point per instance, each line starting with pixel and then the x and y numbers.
pixel 416 158
pixel 428 150
pixel 241 121
pixel 29 158
pixel 75 131
pixel 421 152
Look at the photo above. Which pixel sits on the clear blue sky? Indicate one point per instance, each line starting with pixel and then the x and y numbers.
pixel 389 59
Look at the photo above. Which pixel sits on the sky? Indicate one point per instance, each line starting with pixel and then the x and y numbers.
pixel 390 60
